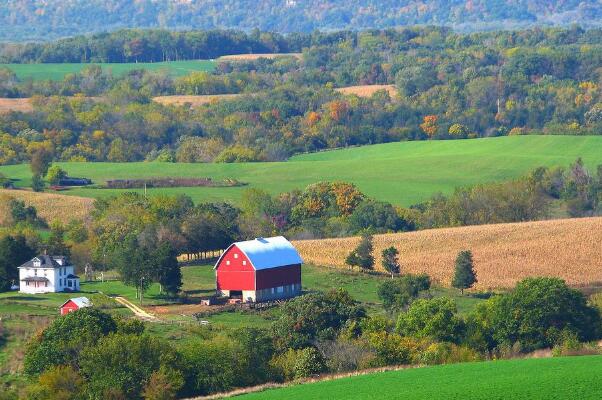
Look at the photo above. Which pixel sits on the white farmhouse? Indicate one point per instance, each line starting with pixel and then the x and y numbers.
pixel 47 274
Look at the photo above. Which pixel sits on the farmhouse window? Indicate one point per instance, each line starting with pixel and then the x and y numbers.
pixel 70 283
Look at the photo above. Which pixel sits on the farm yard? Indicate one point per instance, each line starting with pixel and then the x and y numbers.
pixel 24 314
pixel 403 173
pixel 552 378
pixel 57 72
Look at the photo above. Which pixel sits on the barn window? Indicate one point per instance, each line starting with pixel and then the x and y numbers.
pixel 244 263
pixel 235 255
pixel 227 262
pixel 280 289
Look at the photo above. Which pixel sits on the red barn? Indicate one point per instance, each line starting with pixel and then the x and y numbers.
pixel 259 270
pixel 75 304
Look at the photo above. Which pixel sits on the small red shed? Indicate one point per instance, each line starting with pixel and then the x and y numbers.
pixel 259 270
pixel 75 304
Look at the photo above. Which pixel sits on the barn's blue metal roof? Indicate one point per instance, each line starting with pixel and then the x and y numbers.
pixel 270 252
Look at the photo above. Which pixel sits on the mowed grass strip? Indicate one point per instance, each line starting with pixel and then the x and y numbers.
pixel 544 378
pixel 503 253
pixel 57 71
pixel 402 173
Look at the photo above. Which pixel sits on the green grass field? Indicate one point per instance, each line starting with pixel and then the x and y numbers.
pixel 402 173
pixel 545 378
pixel 57 72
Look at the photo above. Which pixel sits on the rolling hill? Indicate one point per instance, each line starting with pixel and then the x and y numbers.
pixel 503 253
pixel 544 378
pixel 402 173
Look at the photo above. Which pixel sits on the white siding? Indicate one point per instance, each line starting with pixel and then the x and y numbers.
pixel 57 281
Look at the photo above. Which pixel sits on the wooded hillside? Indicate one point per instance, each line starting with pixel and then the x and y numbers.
pixel 29 19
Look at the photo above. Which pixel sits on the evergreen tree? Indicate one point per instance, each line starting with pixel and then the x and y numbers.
pixel 465 275
pixel 362 255
pixel 390 260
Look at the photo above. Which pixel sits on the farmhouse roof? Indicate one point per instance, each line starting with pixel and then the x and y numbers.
pixel 81 302
pixel 46 261
pixel 71 276
pixel 265 253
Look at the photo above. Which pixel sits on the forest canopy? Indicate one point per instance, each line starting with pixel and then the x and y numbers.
pixel 34 20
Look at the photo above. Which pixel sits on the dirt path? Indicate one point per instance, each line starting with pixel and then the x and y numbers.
pixel 139 312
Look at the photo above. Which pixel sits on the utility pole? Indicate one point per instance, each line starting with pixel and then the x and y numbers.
pixel 141 288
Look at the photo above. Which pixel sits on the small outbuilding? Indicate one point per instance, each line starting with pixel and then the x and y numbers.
pixel 75 304
pixel 259 270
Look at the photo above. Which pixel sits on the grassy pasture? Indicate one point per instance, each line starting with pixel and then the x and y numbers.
pixel 58 71
pixel 544 378
pixel 402 173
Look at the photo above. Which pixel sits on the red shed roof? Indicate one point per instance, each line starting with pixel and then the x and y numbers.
pixel 80 302
pixel 265 253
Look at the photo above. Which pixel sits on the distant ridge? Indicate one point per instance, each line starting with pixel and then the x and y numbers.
pixel 22 20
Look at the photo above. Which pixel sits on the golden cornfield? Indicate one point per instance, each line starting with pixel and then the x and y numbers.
pixel 368 90
pixel 53 206
pixel 570 249
pixel 7 105
pixel 194 101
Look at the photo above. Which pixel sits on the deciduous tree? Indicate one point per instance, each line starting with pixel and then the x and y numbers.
pixel 362 256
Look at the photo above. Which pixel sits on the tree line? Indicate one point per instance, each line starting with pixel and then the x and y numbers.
pixel 153 45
